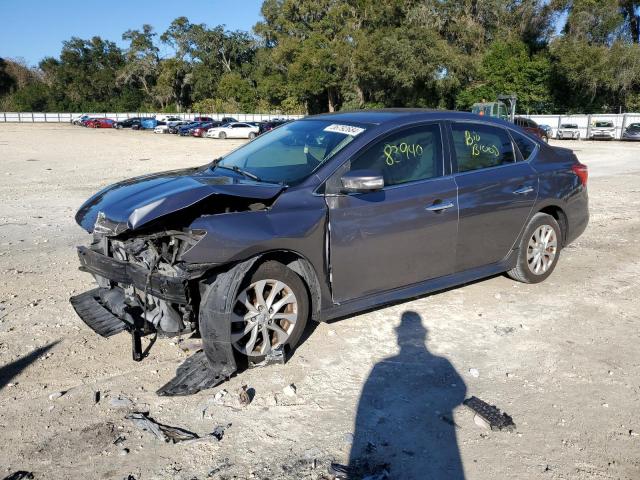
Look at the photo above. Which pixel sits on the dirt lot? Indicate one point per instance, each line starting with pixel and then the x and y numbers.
pixel 561 358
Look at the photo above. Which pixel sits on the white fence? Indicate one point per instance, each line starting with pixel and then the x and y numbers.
pixel 585 122
pixel 37 117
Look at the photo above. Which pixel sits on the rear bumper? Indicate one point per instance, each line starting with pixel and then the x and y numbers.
pixel 171 289
pixel 577 211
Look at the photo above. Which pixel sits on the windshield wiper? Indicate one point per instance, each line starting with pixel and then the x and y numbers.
pixel 237 169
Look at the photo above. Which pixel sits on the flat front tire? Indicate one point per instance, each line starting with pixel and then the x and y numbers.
pixel 539 250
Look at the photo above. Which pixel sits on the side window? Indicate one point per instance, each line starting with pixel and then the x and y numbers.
pixel 481 146
pixel 524 144
pixel 405 156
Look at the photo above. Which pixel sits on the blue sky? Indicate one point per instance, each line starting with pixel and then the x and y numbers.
pixel 33 29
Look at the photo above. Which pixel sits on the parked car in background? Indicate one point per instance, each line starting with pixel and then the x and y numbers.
pixel 80 119
pixel 133 122
pixel 185 130
pixel 170 127
pixel 175 129
pixel 547 129
pixel 148 123
pixel 603 130
pixel 270 125
pixel 203 119
pixel 233 130
pixel 100 123
pixel 227 120
pixel 319 219
pixel 568 130
pixel 202 129
pixel 632 132
pixel 531 127
pixel 168 118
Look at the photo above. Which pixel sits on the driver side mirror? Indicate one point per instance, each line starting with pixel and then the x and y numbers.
pixel 362 181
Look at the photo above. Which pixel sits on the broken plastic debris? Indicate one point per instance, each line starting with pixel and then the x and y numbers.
pixel 165 433
pixel 19 475
pixel 340 471
pixel 276 356
pixel 245 395
pixel 290 390
pixel 496 419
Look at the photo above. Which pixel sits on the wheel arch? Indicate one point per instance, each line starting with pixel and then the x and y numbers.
pixel 304 268
pixel 293 260
pixel 561 217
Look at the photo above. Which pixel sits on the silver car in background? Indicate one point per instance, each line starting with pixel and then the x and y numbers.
pixel 568 131
pixel 603 130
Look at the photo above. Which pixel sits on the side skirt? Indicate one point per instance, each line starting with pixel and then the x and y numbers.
pixel 417 289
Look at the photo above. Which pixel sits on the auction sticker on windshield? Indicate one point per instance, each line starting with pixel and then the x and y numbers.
pixel 346 129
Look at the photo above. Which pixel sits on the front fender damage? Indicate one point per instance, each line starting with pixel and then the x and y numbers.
pixel 218 361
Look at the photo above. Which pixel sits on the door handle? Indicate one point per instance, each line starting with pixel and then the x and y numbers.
pixel 523 191
pixel 438 207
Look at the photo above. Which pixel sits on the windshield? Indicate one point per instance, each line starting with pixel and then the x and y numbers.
pixel 568 125
pixel 634 126
pixel 290 153
pixel 604 124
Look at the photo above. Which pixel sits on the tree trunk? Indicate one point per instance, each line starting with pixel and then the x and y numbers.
pixel 629 9
pixel 360 95
pixel 332 98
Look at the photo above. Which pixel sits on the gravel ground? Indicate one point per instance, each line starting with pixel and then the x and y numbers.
pixel 560 357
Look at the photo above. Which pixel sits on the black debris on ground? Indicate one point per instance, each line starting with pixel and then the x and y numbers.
pixel 19 475
pixel 218 432
pixel 496 419
pixel 195 374
pixel 165 433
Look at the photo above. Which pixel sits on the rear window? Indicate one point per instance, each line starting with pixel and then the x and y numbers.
pixel 480 146
pixel 568 125
pixel 526 145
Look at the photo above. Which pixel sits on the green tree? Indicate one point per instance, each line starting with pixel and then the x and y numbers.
pixel 142 61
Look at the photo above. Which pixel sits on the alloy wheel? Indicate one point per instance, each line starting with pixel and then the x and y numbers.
pixel 542 249
pixel 264 317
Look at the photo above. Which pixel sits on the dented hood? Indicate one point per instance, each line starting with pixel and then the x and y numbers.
pixel 132 203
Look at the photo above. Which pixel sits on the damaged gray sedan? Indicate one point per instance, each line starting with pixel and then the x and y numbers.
pixel 318 219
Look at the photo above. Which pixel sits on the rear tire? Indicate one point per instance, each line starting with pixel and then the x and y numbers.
pixel 539 250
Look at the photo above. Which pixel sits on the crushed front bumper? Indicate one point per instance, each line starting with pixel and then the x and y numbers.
pixel 171 289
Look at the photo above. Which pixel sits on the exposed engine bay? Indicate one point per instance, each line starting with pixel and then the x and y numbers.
pixel 159 254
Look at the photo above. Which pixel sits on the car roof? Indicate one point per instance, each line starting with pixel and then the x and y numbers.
pixel 393 115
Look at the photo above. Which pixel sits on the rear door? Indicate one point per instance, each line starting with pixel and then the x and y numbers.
pixel 496 191
pixel 403 234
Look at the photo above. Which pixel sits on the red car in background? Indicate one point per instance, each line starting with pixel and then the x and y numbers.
pixel 202 129
pixel 99 123
pixel 532 127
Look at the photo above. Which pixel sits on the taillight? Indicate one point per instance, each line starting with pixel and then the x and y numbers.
pixel 582 171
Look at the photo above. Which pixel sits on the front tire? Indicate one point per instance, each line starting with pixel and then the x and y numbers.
pixel 222 135
pixel 539 250
pixel 252 135
pixel 270 311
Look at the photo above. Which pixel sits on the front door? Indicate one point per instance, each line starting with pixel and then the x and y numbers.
pixel 495 193
pixel 403 234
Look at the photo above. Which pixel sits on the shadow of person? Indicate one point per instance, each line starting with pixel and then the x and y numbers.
pixel 10 370
pixel 404 421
